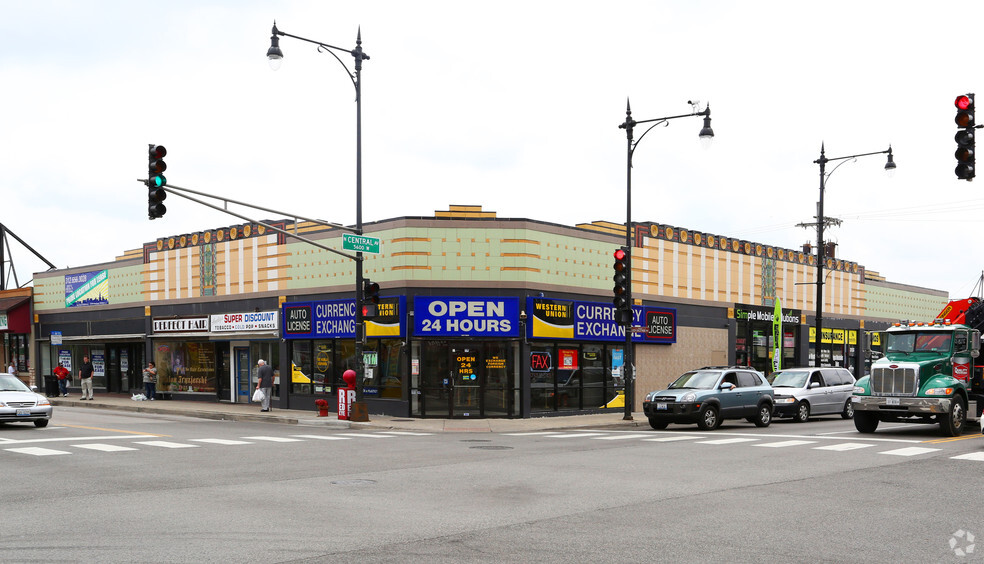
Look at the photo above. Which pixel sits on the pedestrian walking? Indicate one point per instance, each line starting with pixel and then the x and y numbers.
pixel 150 380
pixel 62 373
pixel 264 381
pixel 85 377
pixel 11 369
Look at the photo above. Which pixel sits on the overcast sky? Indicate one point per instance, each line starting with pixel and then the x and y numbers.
pixel 510 105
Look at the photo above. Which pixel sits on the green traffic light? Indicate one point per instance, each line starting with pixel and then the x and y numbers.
pixel 158 180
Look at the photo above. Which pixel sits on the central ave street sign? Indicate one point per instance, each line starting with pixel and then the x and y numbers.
pixel 362 243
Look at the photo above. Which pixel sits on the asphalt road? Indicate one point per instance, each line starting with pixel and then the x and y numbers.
pixel 109 486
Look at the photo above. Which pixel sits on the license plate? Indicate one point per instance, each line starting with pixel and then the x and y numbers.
pixel 23 412
pixel 660 406
pixel 891 401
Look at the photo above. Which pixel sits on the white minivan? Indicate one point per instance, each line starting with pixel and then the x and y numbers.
pixel 802 392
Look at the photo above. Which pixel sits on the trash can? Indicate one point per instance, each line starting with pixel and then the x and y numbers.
pixel 51 385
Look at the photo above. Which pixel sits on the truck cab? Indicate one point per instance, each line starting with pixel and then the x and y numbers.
pixel 929 373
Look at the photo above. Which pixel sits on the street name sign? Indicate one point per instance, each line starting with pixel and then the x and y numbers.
pixel 362 243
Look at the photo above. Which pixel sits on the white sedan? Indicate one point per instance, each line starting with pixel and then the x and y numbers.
pixel 20 403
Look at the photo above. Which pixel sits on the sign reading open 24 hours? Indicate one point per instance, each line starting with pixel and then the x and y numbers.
pixel 465 316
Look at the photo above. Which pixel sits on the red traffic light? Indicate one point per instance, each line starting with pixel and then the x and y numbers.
pixel 158 152
pixel 963 102
pixel 619 254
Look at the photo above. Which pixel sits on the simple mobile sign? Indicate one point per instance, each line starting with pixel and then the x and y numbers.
pixel 465 316
pixel 361 243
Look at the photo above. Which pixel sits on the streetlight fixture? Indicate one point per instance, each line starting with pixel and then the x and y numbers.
pixel 706 135
pixel 275 56
pixel 822 161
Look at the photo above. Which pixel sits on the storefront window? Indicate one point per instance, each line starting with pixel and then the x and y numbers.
pixel 181 366
pixel 17 351
pixel 270 352
pixel 301 368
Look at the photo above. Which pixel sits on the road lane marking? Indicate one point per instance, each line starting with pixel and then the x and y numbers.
pixel 322 437
pixel 222 442
pixel 367 435
pixel 910 451
pixel 571 435
pixel 114 430
pixel 274 439
pixel 843 447
pixel 37 451
pixel 782 444
pixel 620 437
pixel 165 444
pixel 672 438
pixel 102 447
pixel 970 456
pixel 406 433
pixel 725 441
pixel 529 433
pixel 951 439
pixel 64 439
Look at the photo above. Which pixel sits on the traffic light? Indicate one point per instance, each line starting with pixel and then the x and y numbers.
pixel 964 154
pixel 621 279
pixel 156 181
pixel 370 298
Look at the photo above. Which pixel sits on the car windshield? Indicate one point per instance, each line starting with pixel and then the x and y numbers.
pixel 698 379
pixel 790 379
pixel 9 383
pixel 918 342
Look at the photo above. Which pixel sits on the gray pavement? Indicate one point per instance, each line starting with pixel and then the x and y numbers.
pixel 251 412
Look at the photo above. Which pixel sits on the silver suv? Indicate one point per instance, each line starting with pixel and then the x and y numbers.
pixel 802 392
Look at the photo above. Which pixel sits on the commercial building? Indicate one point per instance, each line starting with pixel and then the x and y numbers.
pixel 479 316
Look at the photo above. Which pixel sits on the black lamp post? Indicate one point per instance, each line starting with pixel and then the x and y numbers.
pixel 706 135
pixel 822 161
pixel 275 55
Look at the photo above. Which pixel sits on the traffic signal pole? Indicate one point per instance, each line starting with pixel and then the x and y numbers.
pixel 706 133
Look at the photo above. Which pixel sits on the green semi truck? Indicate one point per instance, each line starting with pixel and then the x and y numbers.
pixel 930 372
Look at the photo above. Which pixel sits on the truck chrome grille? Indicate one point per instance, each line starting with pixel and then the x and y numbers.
pixel 893 381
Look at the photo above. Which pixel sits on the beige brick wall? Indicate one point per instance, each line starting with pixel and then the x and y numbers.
pixel 657 366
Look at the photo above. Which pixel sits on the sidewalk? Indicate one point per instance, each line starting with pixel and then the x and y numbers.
pixel 251 412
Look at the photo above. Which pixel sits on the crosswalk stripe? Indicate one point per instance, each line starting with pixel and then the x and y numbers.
pixel 671 439
pixel 322 437
pixel 620 437
pixel 274 439
pixel 782 444
pixel 221 441
pixel 37 451
pixel 528 433
pixel 406 433
pixel 104 447
pixel 725 441
pixel 166 444
pixel 970 456
pixel 910 451
pixel 570 435
pixel 843 446
pixel 367 435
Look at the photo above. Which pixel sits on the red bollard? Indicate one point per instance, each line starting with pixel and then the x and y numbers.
pixel 346 395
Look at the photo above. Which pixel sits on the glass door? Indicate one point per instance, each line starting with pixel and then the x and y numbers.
pixel 467 381
pixel 243 371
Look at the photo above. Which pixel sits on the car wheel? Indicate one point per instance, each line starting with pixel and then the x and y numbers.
pixel 865 422
pixel 764 415
pixel 848 412
pixel 803 412
pixel 952 423
pixel 40 422
pixel 707 419
pixel 658 424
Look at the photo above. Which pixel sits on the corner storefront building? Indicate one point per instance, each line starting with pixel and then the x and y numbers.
pixel 479 316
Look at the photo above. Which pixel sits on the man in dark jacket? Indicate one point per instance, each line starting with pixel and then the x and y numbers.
pixel 264 373
pixel 85 376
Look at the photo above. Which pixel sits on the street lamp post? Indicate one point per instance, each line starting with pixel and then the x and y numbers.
pixel 706 134
pixel 822 161
pixel 275 56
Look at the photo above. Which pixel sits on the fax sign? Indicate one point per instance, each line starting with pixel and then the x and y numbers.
pixel 361 243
